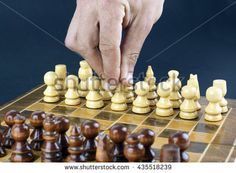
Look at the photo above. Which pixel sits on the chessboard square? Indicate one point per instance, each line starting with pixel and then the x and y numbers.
pixel 182 125
pixel 206 128
pixel 156 122
pixel 85 113
pixel 203 137
pixel 76 121
pixel 167 132
pixel 197 147
pixel 194 157
pixel 26 113
pixel 135 119
pixel 110 116
pixel 131 127
pixel 216 153
pixel 156 130
pixel 104 125
pixel 159 142
pixel 41 106
pixel 63 110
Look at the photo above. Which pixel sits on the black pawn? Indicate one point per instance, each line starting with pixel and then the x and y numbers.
pixel 147 137
pixel 118 134
pixel 181 139
pixel 8 141
pixel 75 148
pixel 90 130
pixel 170 153
pixel 36 120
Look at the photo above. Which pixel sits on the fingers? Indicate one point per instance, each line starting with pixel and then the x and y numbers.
pixel 110 21
pixel 82 36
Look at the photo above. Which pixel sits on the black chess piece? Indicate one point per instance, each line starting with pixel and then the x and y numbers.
pixel 90 130
pixel 75 148
pixel 21 151
pixel 36 121
pixel 134 150
pixel 181 139
pixel 118 134
pixel 147 137
pixel 2 149
pixel 104 147
pixel 50 150
pixel 8 141
pixel 62 126
pixel 170 153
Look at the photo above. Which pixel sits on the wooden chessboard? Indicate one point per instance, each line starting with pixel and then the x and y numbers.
pixel 210 142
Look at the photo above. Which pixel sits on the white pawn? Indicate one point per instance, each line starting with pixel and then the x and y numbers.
pixel 213 110
pixel 94 99
pixel 50 94
pixel 175 84
pixel 152 95
pixel 105 92
pixel 188 109
pixel 72 95
pixel 119 99
pixel 84 73
pixel 223 86
pixel 164 105
pixel 141 103
pixel 61 72
pixel 193 81
pixel 129 94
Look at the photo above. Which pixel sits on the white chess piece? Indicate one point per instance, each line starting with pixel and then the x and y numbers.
pixel 50 94
pixel 141 103
pixel 175 84
pixel 223 86
pixel 119 99
pixel 213 110
pixel 188 109
pixel 106 94
pixel 94 99
pixel 84 73
pixel 61 72
pixel 72 95
pixel 164 105
pixel 129 94
pixel 193 81
pixel 152 95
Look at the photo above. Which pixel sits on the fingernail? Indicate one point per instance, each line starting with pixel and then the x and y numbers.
pixel 130 79
pixel 106 85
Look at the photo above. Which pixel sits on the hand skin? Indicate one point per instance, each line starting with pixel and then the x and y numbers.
pixel 95 32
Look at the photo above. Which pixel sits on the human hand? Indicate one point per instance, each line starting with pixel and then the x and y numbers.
pixel 96 29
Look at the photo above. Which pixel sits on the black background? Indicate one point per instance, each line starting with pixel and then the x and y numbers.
pixel 26 52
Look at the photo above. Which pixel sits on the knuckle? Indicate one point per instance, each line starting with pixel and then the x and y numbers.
pixel 133 57
pixel 104 46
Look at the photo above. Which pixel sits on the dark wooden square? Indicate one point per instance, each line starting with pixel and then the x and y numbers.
pixel 110 116
pixel 156 122
pixel 197 147
pixel 167 132
pixel 206 128
pixel 63 110
pixel 26 113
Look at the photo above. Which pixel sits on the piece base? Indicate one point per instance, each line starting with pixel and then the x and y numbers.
pixel 213 117
pixel 139 110
pixel 188 115
pixel 164 112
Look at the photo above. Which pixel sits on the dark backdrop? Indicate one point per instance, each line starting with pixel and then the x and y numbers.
pixel 208 49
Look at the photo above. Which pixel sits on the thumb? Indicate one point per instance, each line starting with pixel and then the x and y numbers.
pixel 131 47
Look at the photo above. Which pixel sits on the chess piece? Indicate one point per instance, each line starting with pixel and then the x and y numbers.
pixel 50 94
pixel 90 130
pixel 181 139
pixel 103 152
pixel 118 134
pixel 188 109
pixel 129 94
pixel 36 121
pixel 75 148
pixel 164 105
pixel 8 141
pixel 223 86
pixel 193 81
pixel 147 137
pixel 106 94
pixel 94 99
pixel 50 150
pixel 72 95
pixel 213 110
pixel 61 72
pixel 133 150
pixel 149 74
pixel 170 153
pixel 119 99
pixel 152 95
pixel 2 148
pixel 62 126
pixel 84 73
pixel 141 103
pixel 175 85
pixel 21 151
